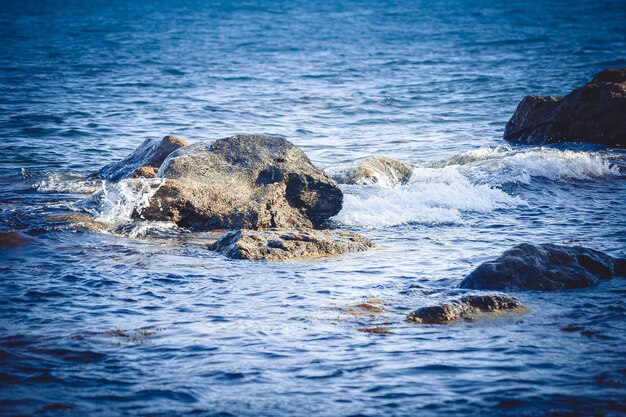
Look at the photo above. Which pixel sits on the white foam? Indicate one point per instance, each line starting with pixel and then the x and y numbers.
pixel 504 165
pixel 116 203
pixel 433 196
pixel 58 182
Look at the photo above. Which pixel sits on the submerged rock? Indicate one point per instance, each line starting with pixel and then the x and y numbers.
pixel 11 239
pixel 545 267
pixel 286 244
pixel 79 221
pixel 378 170
pixel 243 182
pixel 151 153
pixel 466 307
pixel 593 113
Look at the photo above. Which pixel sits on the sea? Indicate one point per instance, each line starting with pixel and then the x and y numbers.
pixel 146 321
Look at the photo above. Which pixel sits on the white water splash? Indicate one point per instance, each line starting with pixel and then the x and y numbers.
pixel 116 203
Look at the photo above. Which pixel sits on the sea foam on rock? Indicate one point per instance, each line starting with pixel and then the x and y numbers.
pixel 381 171
pixel 286 244
pixel 143 161
pixel 545 267
pixel 243 182
pixel 467 307
pixel 593 113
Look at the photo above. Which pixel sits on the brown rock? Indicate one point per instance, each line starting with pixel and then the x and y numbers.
pixel 80 221
pixel 466 307
pixel 145 172
pixel 243 182
pixel 378 170
pixel 151 153
pixel 286 244
pixel 11 239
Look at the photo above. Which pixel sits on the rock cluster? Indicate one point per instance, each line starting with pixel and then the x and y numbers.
pixel 264 189
pixel 593 113
pixel 378 170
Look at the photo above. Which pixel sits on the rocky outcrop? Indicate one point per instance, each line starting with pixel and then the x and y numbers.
pixel 243 182
pixel 468 307
pixel 150 154
pixel 545 267
pixel 593 113
pixel 378 170
pixel 287 244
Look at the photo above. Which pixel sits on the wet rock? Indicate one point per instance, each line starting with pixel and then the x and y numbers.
pixel 243 182
pixel 593 113
pixel 466 307
pixel 11 239
pixel 378 170
pixel 78 221
pixel 151 153
pixel 375 330
pixel 545 267
pixel 286 244
pixel 145 172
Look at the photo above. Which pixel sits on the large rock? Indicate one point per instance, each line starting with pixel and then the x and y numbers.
pixel 467 307
pixel 545 267
pixel 286 244
pixel 593 113
pixel 243 182
pixel 147 158
pixel 377 170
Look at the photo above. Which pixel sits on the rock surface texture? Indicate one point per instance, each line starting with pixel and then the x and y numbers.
pixel 378 170
pixel 545 267
pixel 147 158
pixel 286 244
pixel 243 182
pixel 593 113
pixel 467 307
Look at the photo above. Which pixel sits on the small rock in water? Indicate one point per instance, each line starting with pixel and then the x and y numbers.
pixel 378 170
pixel 593 113
pixel 466 307
pixel 545 267
pixel 11 239
pixel 286 244
pixel 243 182
pixel 151 153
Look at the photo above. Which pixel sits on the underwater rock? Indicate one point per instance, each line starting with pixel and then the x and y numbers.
pixel 545 267
pixel 243 182
pixel 286 244
pixel 11 239
pixel 78 221
pixel 466 307
pixel 378 170
pixel 593 113
pixel 151 153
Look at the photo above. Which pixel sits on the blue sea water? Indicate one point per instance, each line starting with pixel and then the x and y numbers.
pixel 147 321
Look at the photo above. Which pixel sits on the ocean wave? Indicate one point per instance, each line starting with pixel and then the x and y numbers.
pixel 503 165
pixel 433 196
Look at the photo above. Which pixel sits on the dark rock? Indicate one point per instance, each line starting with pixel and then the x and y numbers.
pixel 593 113
pixel 545 267
pixel 378 170
pixel 466 307
pixel 151 153
pixel 286 244
pixel 243 182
